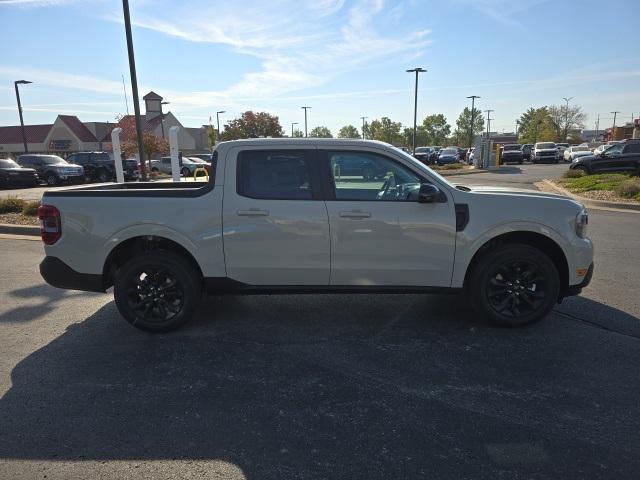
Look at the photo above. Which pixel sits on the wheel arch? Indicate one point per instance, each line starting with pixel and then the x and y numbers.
pixel 545 244
pixel 135 245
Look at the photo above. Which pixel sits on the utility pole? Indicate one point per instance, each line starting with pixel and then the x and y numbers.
pixel 24 134
pixel 363 125
pixel 292 124
pixel 305 120
pixel 517 125
pixel 613 130
pixel 134 87
pixel 597 127
pixel 566 117
pixel 218 124
pixel 489 123
pixel 417 70
pixel 124 89
pixel 473 113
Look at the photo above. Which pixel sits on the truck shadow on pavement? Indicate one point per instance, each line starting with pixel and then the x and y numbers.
pixel 382 386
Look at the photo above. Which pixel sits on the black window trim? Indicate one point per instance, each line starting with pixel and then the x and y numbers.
pixel 328 188
pixel 310 159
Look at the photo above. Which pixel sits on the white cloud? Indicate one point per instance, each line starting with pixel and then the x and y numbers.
pixel 60 79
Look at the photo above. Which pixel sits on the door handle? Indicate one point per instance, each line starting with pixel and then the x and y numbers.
pixel 253 212
pixel 355 214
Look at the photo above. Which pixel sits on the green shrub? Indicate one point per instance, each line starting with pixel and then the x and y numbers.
pixel 11 205
pixel 629 188
pixel 31 208
pixel 573 174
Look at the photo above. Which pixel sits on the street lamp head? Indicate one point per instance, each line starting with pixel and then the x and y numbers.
pixel 305 107
pixel 222 111
pixel 22 82
pixel 165 103
pixel 474 96
pixel 417 70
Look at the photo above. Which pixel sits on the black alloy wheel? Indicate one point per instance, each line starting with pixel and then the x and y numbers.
pixel 157 291
pixel 52 179
pixel 514 285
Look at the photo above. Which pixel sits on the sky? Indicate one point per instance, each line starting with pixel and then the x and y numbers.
pixel 343 58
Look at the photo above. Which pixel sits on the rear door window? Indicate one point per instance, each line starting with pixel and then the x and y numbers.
pixel 632 148
pixel 275 175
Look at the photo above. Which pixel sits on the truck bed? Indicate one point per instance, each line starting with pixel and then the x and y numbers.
pixel 134 189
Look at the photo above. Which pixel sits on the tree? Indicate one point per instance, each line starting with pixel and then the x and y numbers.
pixel 464 125
pixel 297 133
pixel 252 125
pixel 211 136
pixel 151 143
pixel 386 130
pixel 436 129
pixel 320 132
pixel 536 125
pixel 421 136
pixel 566 120
pixel 348 131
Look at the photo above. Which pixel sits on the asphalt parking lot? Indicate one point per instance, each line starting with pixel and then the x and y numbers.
pixel 318 386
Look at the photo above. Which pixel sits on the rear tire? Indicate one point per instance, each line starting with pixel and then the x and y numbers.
pixel 514 285
pixel 157 291
pixel 582 169
pixel 185 172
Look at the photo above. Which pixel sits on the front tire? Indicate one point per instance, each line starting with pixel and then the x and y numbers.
pixel 514 285
pixel 52 179
pixel 158 291
pixel 185 172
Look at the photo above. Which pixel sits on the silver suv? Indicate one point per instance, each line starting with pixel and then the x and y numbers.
pixel 52 168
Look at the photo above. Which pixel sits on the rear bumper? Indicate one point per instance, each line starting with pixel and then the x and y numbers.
pixel 58 274
pixel 576 289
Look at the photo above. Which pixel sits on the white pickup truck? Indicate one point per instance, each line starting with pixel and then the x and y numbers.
pixel 280 215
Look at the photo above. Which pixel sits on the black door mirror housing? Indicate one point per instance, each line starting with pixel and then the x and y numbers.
pixel 428 193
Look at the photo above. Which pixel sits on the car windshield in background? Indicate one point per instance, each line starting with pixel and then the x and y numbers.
pixel 581 149
pixel 8 164
pixel 52 159
pixel 423 150
pixel 197 160
pixel 545 145
pixel 511 147
pixel 449 151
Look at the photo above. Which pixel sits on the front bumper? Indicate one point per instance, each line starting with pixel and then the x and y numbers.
pixel 58 274
pixel 577 289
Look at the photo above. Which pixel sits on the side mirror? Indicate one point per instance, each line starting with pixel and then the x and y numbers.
pixel 428 193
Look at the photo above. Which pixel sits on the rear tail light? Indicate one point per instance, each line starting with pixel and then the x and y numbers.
pixel 50 225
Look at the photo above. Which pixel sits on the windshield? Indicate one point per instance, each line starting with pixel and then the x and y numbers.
pixel 512 147
pixel 8 164
pixel 449 151
pixel 197 160
pixel 52 159
pixel 423 150
pixel 546 145
pixel 563 145
pixel 580 149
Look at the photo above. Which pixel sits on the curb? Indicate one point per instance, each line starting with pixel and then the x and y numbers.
pixel 30 230
pixel 590 202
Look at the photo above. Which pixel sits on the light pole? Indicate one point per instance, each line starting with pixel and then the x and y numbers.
pixel 613 130
pixel 566 117
pixel 517 125
pixel 597 128
pixel 305 120
pixel 418 71
pixel 489 123
pixel 24 135
pixel 218 124
pixel 473 115
pixel 363 125
pixel 162 117
pixel 134 86
pixel 292 124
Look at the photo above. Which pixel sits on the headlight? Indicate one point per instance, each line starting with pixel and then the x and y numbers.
pixel 582 220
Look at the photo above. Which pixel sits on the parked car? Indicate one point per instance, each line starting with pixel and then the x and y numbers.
pixel 545 152
pixel 511 153
pixel 12 174
pixel 188 165
pixel 52 169
pixel 461 154
pixel 470 155
pixel 620 157
pixel 289 224
pixel 575 151
pixel 352 166
pixel 425 154
pixel 526 151
pixel 561 148
pixel 202 156
pixel 447 155
pixel 99 167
